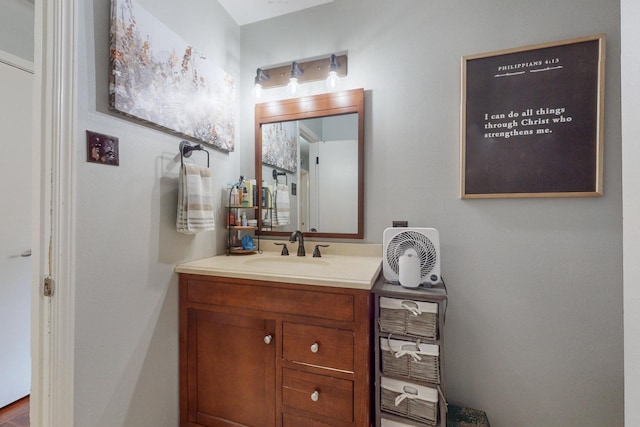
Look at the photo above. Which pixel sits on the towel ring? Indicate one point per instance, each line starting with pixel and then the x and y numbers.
pixel 186 149
pixel 275 175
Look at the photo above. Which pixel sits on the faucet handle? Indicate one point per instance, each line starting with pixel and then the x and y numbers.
pixel 316 250
pixel 285 251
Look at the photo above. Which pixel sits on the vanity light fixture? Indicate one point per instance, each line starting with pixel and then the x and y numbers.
pixel 328 68
pixel 261 77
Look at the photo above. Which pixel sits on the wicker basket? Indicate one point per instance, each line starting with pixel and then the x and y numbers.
pixel 406 317
pixel 409 400
pixel 413 360
pixel 388 423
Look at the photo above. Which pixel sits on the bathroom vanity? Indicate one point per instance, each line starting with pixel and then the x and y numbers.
pixel 267 340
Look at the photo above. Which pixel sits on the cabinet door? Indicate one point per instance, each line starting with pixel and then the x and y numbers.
pixel 231 370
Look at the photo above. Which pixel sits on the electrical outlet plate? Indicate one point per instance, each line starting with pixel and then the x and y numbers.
pixel 102 149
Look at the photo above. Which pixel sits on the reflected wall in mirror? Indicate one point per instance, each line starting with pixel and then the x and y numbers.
pixel 310 161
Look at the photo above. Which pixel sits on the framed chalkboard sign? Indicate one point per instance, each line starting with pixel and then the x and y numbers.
pixel 532 121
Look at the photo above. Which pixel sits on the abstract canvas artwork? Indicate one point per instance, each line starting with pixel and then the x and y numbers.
pixel 161 79
pixel 280 145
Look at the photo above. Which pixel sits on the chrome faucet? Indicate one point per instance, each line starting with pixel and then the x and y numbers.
pixel 300 237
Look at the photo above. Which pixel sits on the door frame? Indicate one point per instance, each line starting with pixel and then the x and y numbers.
pixel 54 172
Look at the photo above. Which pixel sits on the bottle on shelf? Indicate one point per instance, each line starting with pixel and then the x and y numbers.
pixel 254 192
pixel 266 195
pixel 247 196
pixel 233 200
pixel 231 219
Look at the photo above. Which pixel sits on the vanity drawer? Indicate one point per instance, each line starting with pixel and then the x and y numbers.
pixel 270 297
pixel 318 345
pixel 289 420
pixel 318 394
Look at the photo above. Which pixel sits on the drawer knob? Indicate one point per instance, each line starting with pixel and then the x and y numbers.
pixel 315 396
pixel 268 339
pixel 314 347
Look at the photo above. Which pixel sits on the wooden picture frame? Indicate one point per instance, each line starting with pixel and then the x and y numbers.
pixel 532 121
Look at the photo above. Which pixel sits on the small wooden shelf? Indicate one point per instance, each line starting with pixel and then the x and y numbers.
pixel 242 207
pixel 240 251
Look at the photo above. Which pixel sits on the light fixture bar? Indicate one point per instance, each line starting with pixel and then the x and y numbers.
pixel 314 70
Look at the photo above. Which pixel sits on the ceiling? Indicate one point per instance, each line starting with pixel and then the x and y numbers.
pixel 248 11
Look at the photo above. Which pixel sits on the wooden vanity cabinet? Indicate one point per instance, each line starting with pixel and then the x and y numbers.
pixel 262 354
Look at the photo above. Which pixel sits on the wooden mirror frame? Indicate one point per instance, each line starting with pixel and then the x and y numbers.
pixel 307 107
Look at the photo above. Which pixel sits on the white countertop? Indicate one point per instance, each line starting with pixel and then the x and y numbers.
pixel 344 265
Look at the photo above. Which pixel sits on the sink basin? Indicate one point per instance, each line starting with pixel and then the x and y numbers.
pixel 287 265
pixel 286 261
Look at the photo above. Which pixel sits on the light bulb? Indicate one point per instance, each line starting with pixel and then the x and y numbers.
pixel 257 90
pixel 292 87
pixel 257 82
pixel 333 79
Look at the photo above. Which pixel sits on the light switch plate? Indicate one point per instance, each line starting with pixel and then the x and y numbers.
pixel 102 149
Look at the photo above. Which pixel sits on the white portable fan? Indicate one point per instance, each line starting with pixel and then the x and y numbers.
pixel 409 250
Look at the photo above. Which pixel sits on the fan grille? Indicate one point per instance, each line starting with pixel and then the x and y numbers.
pixel 424 247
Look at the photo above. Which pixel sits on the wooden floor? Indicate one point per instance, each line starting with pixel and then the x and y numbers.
pixel 16 414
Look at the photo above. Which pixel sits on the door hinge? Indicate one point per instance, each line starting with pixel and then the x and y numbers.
pixel 48 288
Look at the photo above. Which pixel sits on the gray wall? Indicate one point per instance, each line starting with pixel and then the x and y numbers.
pixel 126 358
pixel 534 329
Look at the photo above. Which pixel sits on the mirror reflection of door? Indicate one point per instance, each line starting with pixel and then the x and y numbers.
pixel 303 201
pixel 303 180
pixel 334 203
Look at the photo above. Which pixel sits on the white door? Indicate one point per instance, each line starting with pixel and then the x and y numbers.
pixel 303 201
pixel 15 230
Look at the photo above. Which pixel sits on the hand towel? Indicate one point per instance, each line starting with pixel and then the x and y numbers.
pixel 195 200
pixel 282 211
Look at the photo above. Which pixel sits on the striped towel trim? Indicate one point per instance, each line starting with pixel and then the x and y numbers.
pixel 282 209
pixel 195 200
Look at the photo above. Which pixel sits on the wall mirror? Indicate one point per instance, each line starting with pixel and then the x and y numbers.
pixel 309 165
